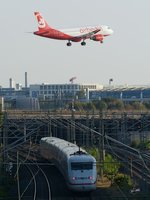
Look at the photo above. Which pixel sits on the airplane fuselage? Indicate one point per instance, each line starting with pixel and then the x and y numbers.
pixel 64 34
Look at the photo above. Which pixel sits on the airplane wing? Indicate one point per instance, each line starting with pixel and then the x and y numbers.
pixel 87 35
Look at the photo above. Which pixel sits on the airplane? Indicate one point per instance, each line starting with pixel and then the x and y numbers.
pixel 95 33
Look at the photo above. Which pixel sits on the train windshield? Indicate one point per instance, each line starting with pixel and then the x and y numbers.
pixel 81 166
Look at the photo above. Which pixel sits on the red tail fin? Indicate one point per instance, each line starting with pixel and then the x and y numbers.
pixel 42 24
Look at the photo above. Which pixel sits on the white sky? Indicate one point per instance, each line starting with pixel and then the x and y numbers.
pixel 124 56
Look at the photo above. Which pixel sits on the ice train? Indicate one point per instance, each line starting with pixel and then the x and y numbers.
pixel 75 164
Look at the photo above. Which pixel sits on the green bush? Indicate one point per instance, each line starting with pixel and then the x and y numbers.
pixel 123 180
pixel 144 145
pixel 94 152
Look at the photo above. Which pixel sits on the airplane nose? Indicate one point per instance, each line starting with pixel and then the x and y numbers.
pixel 111 32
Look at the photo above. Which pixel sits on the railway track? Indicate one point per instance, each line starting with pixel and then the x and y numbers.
pixel 43 181
pixel 138 165
pixel 83 198
pixel 33 181
pixel 92 196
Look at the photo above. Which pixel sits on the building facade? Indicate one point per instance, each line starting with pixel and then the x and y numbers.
pixel 52 91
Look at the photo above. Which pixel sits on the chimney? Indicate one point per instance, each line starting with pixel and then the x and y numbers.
pixel 26 82
pixel 10 83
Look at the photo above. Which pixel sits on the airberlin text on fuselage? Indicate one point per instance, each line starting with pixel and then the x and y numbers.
pixel 87 30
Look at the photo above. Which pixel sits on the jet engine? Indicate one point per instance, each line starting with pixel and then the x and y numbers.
pixel 97 37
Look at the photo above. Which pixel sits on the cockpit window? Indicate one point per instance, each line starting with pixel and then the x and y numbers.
pixel 82 166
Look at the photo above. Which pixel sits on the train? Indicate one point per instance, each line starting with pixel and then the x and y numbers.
pixel 76 165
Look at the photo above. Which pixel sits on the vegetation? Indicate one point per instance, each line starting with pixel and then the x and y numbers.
pixel 111 165
pixel 135 144
pixel 123 181
pixel 111 169
pixel 94 152
pixel 80 104
pixel 110 104
pixel 145 145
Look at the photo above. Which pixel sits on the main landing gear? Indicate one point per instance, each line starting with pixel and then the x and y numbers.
pixel 83 43
pixel 69 44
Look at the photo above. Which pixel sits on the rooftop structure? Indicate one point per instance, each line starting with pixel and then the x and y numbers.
pixel 126 93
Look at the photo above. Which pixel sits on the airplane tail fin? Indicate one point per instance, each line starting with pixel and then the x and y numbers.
pixel 42 24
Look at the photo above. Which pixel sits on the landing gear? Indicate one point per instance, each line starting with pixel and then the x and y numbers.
pixel 69 44
pixel 83 43
pixel 101 41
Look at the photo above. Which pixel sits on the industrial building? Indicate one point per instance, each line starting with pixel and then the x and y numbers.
pixel 28 97
pixel 52 91
pixel 125 93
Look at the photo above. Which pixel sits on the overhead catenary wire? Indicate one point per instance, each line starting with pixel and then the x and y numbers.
pixel 56 121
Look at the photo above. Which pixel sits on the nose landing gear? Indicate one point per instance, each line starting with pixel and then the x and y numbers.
pixel 83 43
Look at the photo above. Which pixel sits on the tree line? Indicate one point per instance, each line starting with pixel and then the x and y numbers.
pixel 110 104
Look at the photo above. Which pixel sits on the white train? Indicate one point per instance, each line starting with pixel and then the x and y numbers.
pixel 76 165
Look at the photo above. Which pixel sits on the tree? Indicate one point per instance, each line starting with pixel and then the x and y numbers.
pixel 90 106
pixel 100 105
pixel 147 104
pixel 78 105
pixel 114 104
pixel 119 105
pixel 138 106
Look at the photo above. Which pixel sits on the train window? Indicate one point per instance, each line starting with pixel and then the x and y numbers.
pixel 82 166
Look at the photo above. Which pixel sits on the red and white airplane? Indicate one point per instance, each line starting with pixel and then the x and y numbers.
pixel 96 33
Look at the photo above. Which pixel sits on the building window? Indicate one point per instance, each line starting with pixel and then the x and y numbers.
pixel 41 87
